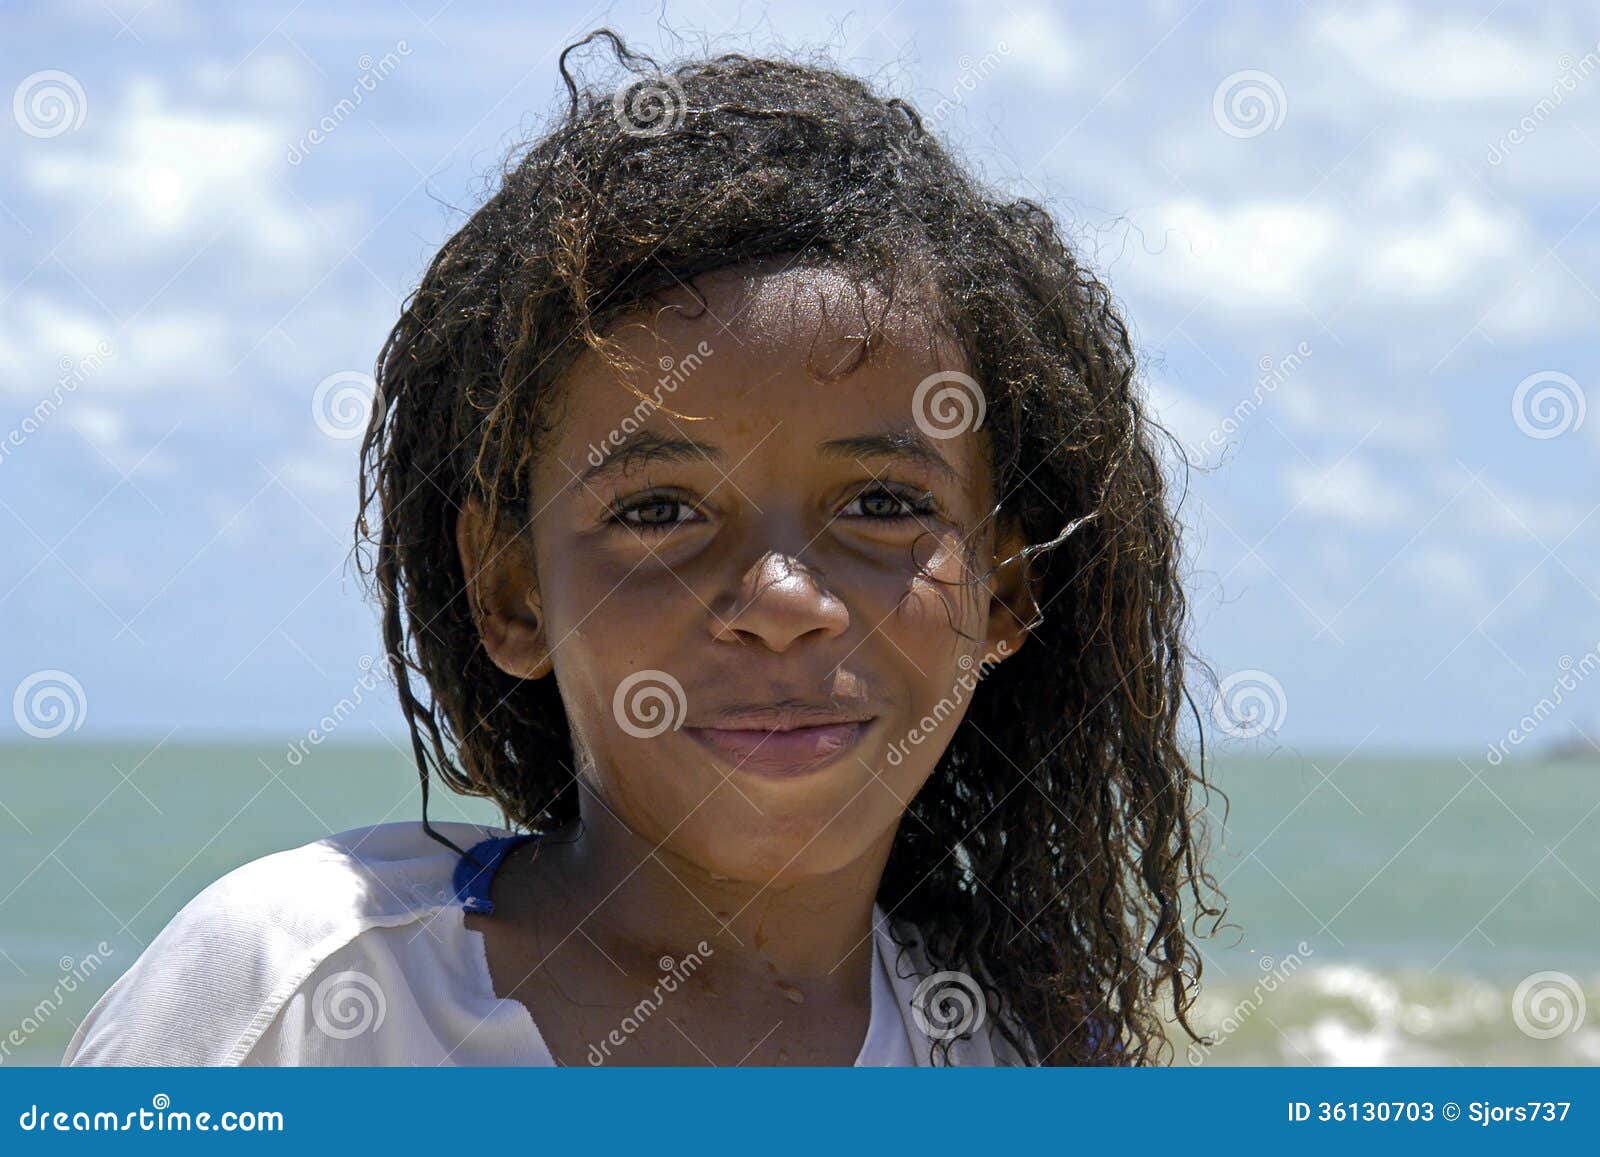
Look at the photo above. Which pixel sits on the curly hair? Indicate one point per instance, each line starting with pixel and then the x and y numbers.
pixel 1056 847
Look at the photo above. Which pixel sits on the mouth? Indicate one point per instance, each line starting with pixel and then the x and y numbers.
pixel 781 751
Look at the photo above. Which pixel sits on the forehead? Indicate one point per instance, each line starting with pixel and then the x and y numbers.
pixel 773 307
pixel 808 350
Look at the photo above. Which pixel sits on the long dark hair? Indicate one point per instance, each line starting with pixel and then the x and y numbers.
pixel 1057 846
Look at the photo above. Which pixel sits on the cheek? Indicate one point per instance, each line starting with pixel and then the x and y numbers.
pixel 608 608
pixel 938 632
pixel 942 596
pixel 618 695
pixel 604 629
pixel 624 712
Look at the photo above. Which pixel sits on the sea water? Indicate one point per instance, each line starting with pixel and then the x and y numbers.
pixel 1380 910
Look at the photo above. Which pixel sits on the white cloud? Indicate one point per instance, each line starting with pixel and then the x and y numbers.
pixel 161 179
pixel 1254 257
pixel 266 80
pixel 1550 297
pixel 1436 255
pixel 101 426
pixel 1494 509
pixel 187 350
pixel 169 351
pixel 1452 259
pixel 1435 58
pixel 1343 412
pixel 40 342
pixel 1405 171
pixel 1349 490
pixel 1036 39
pixel 1445 571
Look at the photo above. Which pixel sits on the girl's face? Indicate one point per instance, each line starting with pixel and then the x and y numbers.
pixel 765 612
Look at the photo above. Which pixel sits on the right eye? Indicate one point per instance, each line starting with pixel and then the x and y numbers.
pixel 653 512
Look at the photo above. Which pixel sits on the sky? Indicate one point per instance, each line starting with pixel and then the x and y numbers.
pixel 1359 245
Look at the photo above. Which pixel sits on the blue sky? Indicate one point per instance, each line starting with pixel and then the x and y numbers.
pixel 1360 245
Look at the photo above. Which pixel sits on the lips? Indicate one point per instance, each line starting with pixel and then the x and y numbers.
pixel 780 751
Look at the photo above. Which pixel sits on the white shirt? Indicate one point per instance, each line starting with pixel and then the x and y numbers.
pixel 354 950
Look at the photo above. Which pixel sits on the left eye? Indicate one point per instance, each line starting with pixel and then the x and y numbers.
pixel 655 513
pixel 884 504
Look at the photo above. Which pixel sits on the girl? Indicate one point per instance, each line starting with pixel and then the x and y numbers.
pixel 768 522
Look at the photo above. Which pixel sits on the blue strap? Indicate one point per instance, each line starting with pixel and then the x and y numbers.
pixel 475 871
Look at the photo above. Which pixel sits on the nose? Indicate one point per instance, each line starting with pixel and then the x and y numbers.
pixel 780 601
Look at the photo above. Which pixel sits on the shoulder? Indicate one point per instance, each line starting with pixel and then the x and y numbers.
pixel 212 981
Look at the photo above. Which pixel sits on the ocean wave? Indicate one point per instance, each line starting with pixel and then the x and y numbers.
pixel 1353 1014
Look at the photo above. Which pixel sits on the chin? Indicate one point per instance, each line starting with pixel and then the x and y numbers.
pixel 741 845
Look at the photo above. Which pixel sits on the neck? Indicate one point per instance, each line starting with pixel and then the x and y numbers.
pixel 639 902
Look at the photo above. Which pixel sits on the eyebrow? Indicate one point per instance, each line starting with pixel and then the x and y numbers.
pixel 909 444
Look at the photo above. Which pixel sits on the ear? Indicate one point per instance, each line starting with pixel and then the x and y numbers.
pixel 1015 593
pixel 502 593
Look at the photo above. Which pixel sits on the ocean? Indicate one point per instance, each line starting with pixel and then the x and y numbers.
pixel 1380 911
